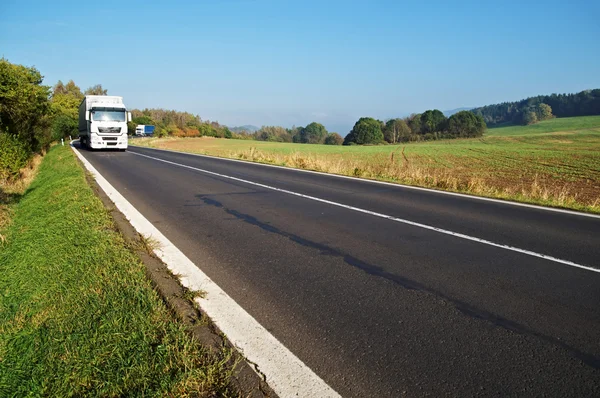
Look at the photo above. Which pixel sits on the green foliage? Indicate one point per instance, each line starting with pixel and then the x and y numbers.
pixel 396 130
pixel 131 128
pixel 143 119
pixel 314 133
pixel 64 106
pixel 273 134
pixel 544 112
pixel 414 123
pixel 561 105
pixel 180 124
pixel 466 124
pixel 365 131
pixel 13 156
pixel 24 105
pixel 334 139
pixel 160 132
pixel 96 90
pixel 530 117
pixel 64 126
pixel 432 121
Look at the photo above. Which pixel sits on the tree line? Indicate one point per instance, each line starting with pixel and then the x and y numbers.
pixel 429 125
pixel 179 124
pixel 528 111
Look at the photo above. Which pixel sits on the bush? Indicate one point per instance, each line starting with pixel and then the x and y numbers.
pixel 13 156
pixel 160 132
pixel 334 139
pixel 64 126
pixel 365 131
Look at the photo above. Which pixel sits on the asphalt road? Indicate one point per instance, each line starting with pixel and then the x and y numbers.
pixel 378 307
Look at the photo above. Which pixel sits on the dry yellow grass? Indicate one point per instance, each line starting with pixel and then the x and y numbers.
pixel 386 169
pixel 499 167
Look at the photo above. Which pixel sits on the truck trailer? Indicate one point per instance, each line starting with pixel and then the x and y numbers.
pixel 144 130
pixel 103 122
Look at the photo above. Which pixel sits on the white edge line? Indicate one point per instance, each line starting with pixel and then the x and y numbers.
pixel 397 185
pixel 286 374
pixel 380 215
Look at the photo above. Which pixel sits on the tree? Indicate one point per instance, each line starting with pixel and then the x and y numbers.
pixel 414 123
pixel 466 124
pixel 95 90
pixel 544 112
pixel 396 130
pixel 144 120
pixel 530 117
pixel 432 121
pixel 365 131
pixel 272 133
pixel 65 109
pixel 583 103
pixel 314 133
pixel 24 105
pixel 334 139
pixel 64 126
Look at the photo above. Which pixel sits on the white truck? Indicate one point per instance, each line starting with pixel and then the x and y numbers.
pixel 103 122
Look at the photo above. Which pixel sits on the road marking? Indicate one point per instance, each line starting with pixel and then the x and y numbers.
pixel 392 184
pixel 286 374
pixel 388 217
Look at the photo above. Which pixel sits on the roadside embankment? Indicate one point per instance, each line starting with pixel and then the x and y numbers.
pixel 77 314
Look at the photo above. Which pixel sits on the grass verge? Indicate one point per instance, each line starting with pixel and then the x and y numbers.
pixel 553 163
pixel 77 315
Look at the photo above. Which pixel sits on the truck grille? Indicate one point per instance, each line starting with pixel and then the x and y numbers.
pixel 109 138
pixel 109 130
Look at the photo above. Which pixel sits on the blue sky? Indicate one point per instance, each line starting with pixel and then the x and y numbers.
pixel 267 62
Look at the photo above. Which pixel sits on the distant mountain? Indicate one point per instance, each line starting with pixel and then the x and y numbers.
pixel 248 127
pixel 453 111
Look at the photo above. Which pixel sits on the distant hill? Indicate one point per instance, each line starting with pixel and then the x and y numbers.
pixel 453 111
pixel 248 127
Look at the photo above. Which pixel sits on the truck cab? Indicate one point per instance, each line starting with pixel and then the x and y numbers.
pixel 103 122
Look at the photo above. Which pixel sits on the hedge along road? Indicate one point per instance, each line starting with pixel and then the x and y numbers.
pixel 378 307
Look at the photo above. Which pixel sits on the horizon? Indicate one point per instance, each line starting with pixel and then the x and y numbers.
pixel 264 63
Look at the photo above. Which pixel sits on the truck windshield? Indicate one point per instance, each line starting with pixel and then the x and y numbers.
pixel 108 115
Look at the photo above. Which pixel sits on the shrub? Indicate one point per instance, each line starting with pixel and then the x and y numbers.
pixel 13 156
pixel 334 139
pixel 64 126
pixel 160 132
pixel 365 131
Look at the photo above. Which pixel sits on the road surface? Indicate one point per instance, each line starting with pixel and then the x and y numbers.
pixel 385 290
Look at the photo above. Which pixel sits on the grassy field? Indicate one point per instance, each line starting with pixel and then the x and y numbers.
pixel 78 316
pixel 554 163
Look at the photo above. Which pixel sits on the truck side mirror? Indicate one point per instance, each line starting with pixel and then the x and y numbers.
pixel 87 115
pixel 128 116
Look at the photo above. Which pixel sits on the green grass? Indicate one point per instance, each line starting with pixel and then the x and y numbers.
pixel 549 126
pixel 554 163
pixel 77 315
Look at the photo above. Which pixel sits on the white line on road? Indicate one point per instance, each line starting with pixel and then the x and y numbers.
pixel 286 374
pixel 392 218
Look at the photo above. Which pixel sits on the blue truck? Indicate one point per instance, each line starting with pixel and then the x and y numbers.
pixel 144 130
